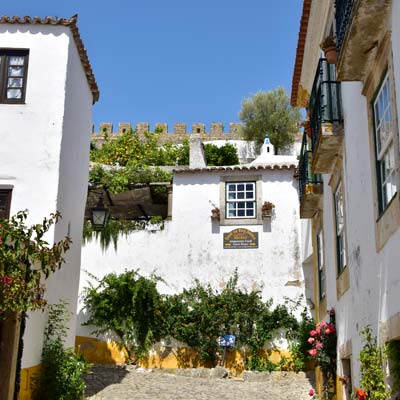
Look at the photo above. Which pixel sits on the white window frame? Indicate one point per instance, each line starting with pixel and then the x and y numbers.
pixel 385 153
pixel 240 197
pixel 341 251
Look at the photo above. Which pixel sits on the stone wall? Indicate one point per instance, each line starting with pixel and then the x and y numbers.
pixel 177 135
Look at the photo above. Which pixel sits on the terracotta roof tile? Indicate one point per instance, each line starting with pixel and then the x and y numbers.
pixel 236 168
pixel 71 23
pixel 300 51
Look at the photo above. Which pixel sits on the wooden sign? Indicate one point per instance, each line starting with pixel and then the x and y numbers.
pixel 241 239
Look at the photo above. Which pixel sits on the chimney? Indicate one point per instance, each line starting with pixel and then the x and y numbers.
pixel 196 152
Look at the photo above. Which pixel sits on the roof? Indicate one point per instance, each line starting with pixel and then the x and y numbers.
pixel 237 168
pixel 300 51
pixel 71 23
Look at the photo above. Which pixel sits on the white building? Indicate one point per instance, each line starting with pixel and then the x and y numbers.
pixel 46 96
pixel 353 142
pixel 193 245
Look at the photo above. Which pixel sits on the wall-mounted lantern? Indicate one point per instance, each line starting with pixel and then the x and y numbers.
pixel 99 215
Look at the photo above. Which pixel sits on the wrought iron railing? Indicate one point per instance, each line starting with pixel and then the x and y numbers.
pixel 306 176
pixel 325 100
pixel 343 17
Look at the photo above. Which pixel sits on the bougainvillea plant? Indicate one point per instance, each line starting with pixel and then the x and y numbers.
pixel 25 260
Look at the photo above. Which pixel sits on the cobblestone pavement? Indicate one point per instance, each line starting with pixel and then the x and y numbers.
pixel 118 383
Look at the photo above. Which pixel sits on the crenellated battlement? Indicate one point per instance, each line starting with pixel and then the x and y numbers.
pixel 179 132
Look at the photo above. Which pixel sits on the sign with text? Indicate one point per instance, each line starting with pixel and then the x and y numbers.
pixel 241 239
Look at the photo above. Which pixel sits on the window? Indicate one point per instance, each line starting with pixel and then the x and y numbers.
pixel 5 202
pixel 240 200
pixel 13 72
pixel 321 266
pixel 340 228
pixel 384 144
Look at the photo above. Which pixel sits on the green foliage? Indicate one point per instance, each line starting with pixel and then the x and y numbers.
pixel 270 112
pixel 220 156
pixel 120 180
pixel 393 355
pixel 111 232
pixel 128 305
pixel 200 315
pixel 371 360
pixel 61 373
pixel 298 342
pixel 21 247
pixel 261 364
pixel 129 149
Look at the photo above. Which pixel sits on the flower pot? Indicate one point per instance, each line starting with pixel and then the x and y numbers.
pixel 266 214
pixel 215 214
pixel 331 54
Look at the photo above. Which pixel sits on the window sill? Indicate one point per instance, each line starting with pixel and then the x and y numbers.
pixel 387 223
pixel 342 282
pixel 241 221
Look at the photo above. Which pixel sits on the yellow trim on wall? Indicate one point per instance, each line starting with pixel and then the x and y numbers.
pixel 25 391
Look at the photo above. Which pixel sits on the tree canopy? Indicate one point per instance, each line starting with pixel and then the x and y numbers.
pixel 270 112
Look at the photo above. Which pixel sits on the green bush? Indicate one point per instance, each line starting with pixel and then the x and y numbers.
pixel 220 156
pixel 61 373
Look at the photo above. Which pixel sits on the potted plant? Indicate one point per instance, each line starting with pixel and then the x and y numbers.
pixel 267 209
pixel 215 213
pixel 328 45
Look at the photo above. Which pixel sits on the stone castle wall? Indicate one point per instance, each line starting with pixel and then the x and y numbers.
pixel 178 134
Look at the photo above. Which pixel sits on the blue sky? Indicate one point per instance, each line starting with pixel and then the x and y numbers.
pixel 179 60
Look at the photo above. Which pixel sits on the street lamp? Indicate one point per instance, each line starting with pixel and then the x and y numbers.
pixel 99 215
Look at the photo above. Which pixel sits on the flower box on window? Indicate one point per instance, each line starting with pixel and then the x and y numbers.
pixel 267 209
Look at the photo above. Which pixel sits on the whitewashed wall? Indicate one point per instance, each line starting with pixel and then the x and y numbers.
pixel 44 152
pixel 191 245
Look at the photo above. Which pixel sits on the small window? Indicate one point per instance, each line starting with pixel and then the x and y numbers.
pixel 340 228
pixel 5 202
pixel 384 144
pixel 240 200
pixel 321 265
pixel 13 72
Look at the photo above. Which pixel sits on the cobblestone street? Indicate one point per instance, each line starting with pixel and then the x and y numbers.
pixel 118 383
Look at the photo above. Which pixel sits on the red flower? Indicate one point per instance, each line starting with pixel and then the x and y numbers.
pixel 331 328
pixel 312 352
pixel 311 392
pixel 313 332
pixel 361 395
pixel 5 279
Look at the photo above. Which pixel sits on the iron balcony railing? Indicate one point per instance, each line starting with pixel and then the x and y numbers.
pixel 325 100
pixel 306 176
pixel 343 18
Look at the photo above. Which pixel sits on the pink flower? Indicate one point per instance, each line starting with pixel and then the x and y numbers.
pixel 318 330
pixel 313 332
pixel 318 345
pixel 322 324
pixel 311 392
pixel 311 340
pixel 312 352
pixel 331 328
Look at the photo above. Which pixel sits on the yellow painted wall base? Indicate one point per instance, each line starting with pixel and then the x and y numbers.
pixel 99 352
pixel 25 392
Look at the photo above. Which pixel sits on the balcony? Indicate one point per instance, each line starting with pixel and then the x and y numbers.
pixel 326 118
pixel 360 27
pixel 310 185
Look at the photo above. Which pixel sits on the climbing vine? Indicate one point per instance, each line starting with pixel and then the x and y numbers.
pixel 393 354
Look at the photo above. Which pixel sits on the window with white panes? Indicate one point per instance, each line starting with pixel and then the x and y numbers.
pixel 13 73
pixel 384 143
pixel 321 265
pixel 240 200
pixel 340 228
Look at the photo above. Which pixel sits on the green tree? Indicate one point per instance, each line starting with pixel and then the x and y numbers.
pixel 220 156
pixel 270 112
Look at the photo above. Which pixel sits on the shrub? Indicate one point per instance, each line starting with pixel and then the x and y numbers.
pixel 220 156
pixel 61 373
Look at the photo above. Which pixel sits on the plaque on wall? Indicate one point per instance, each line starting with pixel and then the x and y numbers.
pixel 241 239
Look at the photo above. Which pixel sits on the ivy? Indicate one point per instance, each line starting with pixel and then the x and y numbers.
pixel 371 360
pixel 25 257
pixel 127 305
pixel 130 306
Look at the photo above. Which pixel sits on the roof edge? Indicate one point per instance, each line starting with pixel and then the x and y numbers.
pixel 298 66
pixel 72 24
